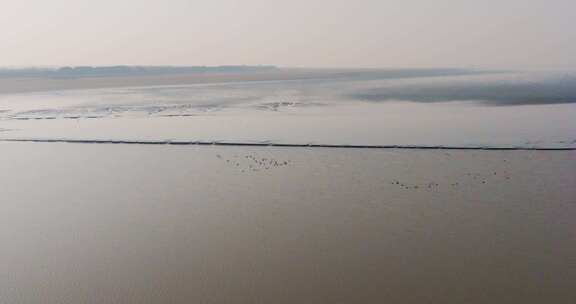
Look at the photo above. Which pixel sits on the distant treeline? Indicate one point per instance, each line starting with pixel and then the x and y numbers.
pixel 122 70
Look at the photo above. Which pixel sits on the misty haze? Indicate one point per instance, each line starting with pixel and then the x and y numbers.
pixel 259 151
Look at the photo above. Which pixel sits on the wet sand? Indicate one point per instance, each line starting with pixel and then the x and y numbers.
pixel 318 107
pixel 107 223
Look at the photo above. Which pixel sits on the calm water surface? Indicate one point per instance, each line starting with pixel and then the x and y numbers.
pixel 159 224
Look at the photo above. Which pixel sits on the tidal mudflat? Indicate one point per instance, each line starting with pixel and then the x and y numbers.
pixel 428 107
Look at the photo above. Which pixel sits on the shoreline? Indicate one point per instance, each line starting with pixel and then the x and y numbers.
pixel 286 145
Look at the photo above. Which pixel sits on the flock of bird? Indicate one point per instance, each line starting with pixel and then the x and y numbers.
pixel 253 163
pixel 476 177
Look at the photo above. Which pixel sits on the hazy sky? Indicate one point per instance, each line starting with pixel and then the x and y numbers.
pixel 363 33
